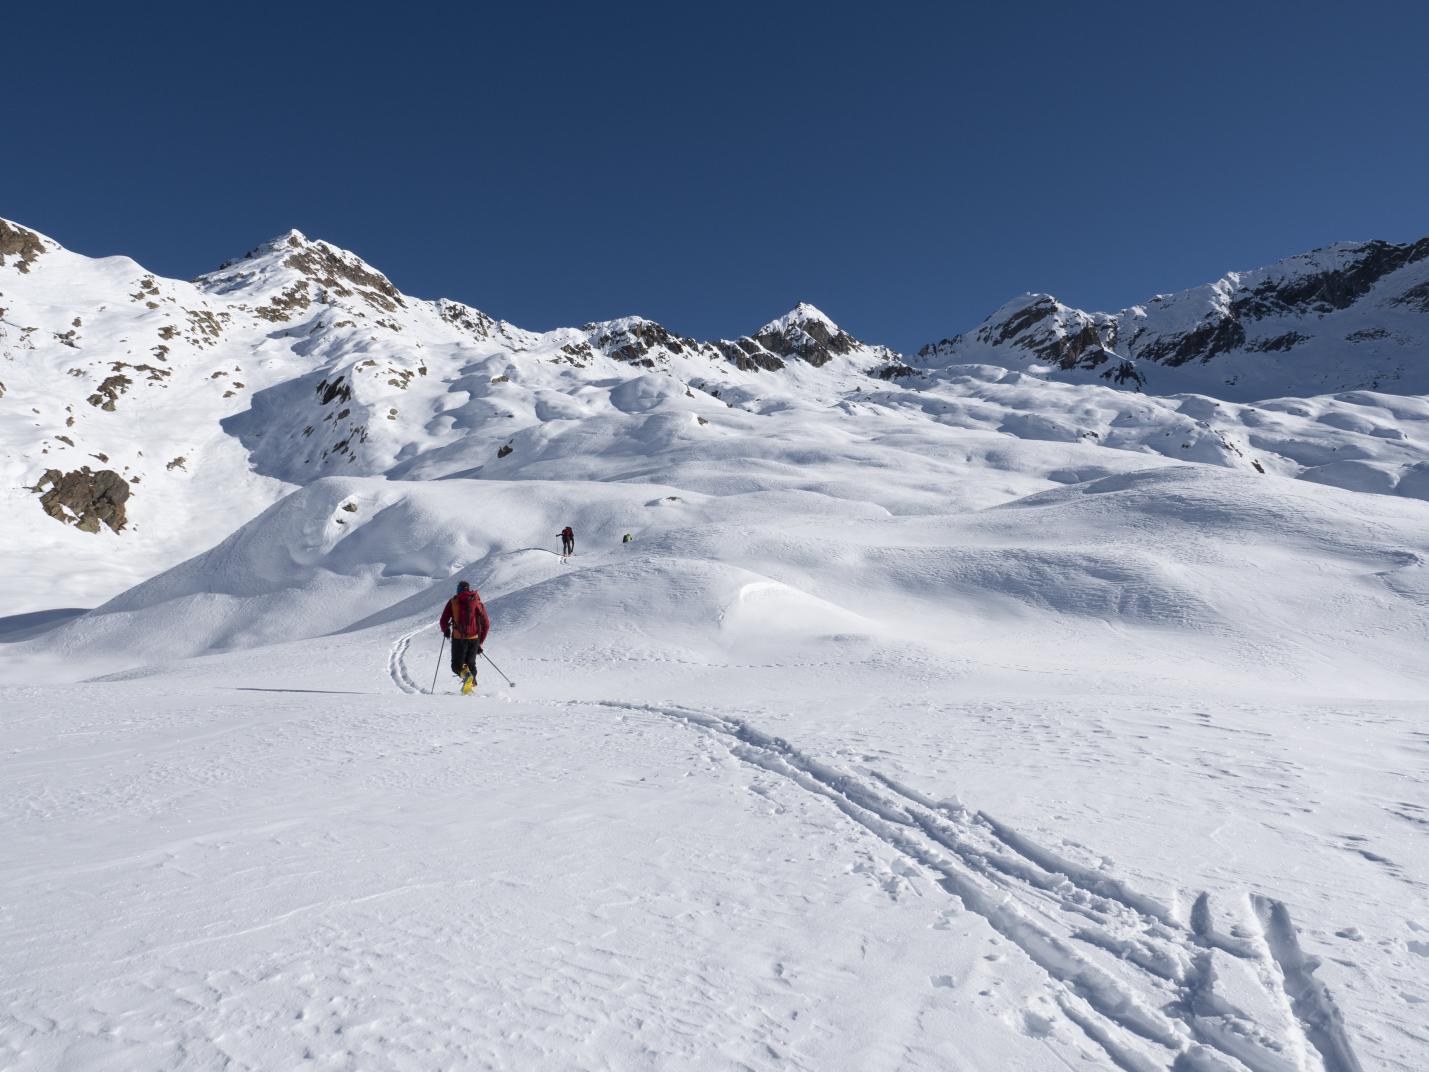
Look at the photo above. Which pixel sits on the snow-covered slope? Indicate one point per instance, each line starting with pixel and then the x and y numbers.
pixel 147 418
pixel 1120 774
pixel 1353 316
pixel 1202 559
pixel 958 717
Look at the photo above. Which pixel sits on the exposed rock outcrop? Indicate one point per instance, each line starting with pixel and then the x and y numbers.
pixel 806 334
pixel 748 355
pixel 637 341
pixel 473 321
pixel 895 370
pixel 341 273
pixel 21 244
pixel 83 498
pixel 1307 305
pixel 108 392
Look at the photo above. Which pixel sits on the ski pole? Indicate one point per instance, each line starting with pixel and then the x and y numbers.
pixel 439 664
pixel 509 682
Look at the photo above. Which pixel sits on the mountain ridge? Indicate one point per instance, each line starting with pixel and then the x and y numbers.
pixel 1227 338
pixel 1034 331
pixel 169 412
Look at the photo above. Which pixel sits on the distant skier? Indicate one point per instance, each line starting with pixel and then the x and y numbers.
pixel 627 538
pixel 465 621
pixel 568 541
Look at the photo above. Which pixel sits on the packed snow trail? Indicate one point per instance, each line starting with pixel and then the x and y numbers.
pixel 397 661
pixel 1067 919
pixel 1138 980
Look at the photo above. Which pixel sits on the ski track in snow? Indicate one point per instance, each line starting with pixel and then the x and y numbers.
pixel 397 663
pixel 1086 930
pixel 1140 982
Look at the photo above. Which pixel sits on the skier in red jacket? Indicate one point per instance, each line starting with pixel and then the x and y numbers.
pixel 465 620
pixel 568 541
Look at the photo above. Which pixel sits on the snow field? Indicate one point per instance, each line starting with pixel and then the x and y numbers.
pixel 364 880
pixel 1120 774
pixel 1121 572
pixel 972 719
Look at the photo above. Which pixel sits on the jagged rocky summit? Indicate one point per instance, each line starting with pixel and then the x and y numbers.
pixel 1351 316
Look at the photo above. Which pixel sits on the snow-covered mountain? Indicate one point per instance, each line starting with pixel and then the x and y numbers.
pixel 1353 316
pixel 147 418
pixel 982 714
pixel 166 413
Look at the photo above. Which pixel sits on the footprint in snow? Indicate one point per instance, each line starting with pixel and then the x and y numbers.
pixel 1036 1024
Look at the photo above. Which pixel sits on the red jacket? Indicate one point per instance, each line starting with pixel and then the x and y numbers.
pixel 465 617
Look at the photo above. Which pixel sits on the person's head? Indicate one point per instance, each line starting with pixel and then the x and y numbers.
pixel 463 586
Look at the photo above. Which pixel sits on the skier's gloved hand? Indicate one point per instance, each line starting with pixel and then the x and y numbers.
pixel 447 633
pixel 478 649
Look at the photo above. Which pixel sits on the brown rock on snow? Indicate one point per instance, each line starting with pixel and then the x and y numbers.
pixel 84 497
pixel 17 242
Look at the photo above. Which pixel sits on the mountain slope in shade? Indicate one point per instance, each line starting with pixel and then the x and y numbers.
pixel 1353 316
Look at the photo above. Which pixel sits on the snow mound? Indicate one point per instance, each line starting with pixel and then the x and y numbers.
pixel 334 553
pixel 1116 567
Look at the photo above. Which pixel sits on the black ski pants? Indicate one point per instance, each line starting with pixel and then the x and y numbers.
pixel 463 654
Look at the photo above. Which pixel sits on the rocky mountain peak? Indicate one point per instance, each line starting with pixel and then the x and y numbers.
pixel 1346 316
pixel 287 274
pixel 807 334
pixel 20 247
pixel 1043 331
pixel 637 341
pixel 803 334
pixel 804 316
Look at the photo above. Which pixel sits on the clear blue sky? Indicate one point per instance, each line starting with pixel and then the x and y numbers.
pixel 906 167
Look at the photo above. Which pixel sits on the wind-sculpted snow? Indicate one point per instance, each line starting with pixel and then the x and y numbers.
pixel 859 755
pixel 210 400
pixel 1188 555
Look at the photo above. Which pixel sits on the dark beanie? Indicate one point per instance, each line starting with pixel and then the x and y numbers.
pixel 463 586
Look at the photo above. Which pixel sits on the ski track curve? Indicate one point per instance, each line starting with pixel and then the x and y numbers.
pixel 1137 980
pixel 397 663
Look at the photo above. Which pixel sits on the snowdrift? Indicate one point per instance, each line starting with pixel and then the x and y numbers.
pixel 1229 568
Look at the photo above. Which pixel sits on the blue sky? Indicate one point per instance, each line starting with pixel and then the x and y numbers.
pixel 906 167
